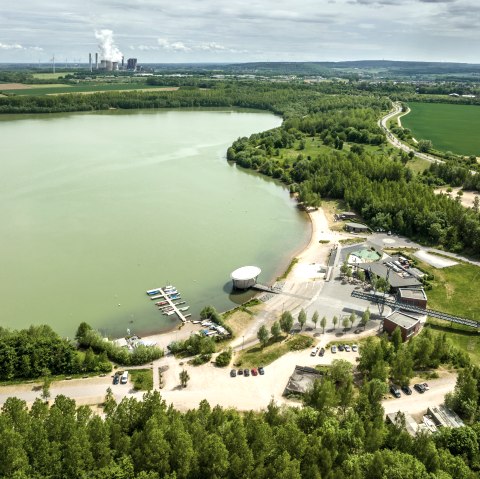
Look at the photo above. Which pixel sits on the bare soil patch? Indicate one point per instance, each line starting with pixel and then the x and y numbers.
pixel 467 198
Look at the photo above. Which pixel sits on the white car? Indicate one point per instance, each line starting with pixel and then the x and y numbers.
pixel 347 348
pixel 314 352
pixel 354 348
pixel 334 349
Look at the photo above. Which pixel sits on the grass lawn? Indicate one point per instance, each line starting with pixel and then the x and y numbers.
pixel 59 89
pixel 418 165
pixel 142 379
pixel 466 341
pixel 256 356
pixel 51 75
pixel 455 290
pixel 450 127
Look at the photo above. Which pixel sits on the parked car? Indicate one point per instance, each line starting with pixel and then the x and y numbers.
pixel 321 352
pixel 261 371
pixel 240 372
pixel 334 349
pixel 425 386
pixel 254 372
pixel 395 391
pixel 347 348
pixel 116 379
pixel 233 373
pixel 313 352
pixel 246 372
pixel 341 347
pixel 419 387
pixel 354 348
pixel 407 390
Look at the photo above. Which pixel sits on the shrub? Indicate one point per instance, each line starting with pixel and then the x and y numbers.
pixel 224 358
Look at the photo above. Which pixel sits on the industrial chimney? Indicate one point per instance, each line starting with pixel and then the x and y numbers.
pixel 123 63
pixel 96 61
pixel 90 61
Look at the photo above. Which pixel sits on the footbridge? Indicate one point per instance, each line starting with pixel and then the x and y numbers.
pixel 380 299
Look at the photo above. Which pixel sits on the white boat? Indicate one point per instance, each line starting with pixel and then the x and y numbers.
pixel 169 313
pixel 186 308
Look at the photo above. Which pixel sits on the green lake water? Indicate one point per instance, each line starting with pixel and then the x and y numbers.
pixel 96 208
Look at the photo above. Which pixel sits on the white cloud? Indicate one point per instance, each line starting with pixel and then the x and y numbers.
pixel 15 46
pixel 175 46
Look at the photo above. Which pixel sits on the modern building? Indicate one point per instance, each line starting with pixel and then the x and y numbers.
pixel 245 277
pixel 356 228
pixel 398 276
pixel 412 296
pixel 409 325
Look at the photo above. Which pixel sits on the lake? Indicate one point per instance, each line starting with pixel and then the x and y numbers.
pixel 96 208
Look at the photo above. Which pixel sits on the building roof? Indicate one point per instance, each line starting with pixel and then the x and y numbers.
pixel 357 226
pixel 412 293
pixel 246 272
pixel 403 280
pixel 348 213
pixel 403 320
pixel 302 379
pixel 445 417
pixel 410 424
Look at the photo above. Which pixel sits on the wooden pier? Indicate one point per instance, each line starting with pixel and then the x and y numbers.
pixel 173 305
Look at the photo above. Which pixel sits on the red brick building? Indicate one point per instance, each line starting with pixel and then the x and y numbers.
pixel 409 325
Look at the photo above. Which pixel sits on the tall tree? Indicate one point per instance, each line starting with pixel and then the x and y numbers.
pixel 335 322
pixel 315 319
pixel 323 323
pixel 184 378
pixel 276 331
pixel 302 318
pixel 286 322
pixel 263 335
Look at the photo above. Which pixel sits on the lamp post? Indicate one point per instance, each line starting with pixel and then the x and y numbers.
pixel 243 341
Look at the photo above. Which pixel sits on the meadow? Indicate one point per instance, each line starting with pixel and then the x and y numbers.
pixel 92 88
pixel 450 127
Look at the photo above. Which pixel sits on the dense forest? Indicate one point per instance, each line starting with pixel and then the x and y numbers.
pixel 339 432
pixel 40 352
pixel 374 183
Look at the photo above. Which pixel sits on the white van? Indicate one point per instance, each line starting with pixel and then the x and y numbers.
pixel 124 378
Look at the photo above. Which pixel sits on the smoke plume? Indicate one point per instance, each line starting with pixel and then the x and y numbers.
pixel 108 49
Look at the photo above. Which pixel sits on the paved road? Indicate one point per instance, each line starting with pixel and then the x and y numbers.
pixel 393 140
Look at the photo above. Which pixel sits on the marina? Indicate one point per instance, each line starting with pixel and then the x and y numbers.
pixel 167 295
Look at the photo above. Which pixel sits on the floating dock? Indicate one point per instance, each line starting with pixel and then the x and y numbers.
pixel 167 295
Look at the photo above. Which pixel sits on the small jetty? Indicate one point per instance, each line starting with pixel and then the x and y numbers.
pixel 166 296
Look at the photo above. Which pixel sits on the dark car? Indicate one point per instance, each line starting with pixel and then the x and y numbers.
pixel 240 372
pixel 261 371
pixel 116 379
pixel 321 352
pixel 419 387
pixel 407 390
pixel 246 372
pixel 233 373
pixel 341 347
pixel 395 391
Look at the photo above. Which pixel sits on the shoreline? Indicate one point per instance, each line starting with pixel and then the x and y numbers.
pixel 309 250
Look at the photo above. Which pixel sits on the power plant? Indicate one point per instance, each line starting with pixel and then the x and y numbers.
pixel 109 65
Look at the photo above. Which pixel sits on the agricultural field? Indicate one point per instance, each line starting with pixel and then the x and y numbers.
pixel 51 75
pixel 450 127
pixel 58 89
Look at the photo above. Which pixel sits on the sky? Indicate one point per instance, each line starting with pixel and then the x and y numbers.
pixel 158 31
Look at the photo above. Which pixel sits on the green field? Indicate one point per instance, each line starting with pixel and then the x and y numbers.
pixel 450 127
pixel 60 89
pixel 51 76
pixel 455 290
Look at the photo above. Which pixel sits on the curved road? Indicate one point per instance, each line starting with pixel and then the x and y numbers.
pixel 393 140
